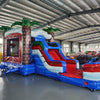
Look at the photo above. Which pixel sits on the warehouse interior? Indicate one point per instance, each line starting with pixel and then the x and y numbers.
pixel 79 22
pixel 77 19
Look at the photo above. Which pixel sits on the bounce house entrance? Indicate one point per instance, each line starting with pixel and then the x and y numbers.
pixel 13 48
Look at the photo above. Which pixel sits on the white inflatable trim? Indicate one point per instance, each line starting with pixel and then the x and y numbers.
pixel 94 76
pixel 33 33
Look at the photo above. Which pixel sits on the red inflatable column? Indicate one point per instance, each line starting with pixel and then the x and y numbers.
pixel 26 57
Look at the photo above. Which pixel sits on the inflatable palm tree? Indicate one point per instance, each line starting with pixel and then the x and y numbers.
pixel 26 30
pixel 51 30
pixel 4 29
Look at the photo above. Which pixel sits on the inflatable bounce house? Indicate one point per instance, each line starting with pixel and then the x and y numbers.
pixel 27 52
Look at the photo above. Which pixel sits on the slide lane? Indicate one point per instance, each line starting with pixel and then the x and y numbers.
pixel 55 54
pixel 53 66
pixel 71 64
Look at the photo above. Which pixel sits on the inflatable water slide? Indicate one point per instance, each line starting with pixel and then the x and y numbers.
pixel 48 60
pixel 48 55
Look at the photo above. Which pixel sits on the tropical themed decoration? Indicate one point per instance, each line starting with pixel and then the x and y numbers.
pixel 5 28
pixel 51 30
pixel 26 34
pixel 26 22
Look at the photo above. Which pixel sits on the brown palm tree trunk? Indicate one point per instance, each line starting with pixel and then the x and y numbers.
pixel 26 57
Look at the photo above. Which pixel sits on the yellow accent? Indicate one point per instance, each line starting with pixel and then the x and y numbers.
pixel 1 56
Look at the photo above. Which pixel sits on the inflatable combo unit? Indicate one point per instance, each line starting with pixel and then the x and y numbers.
pixel 45 58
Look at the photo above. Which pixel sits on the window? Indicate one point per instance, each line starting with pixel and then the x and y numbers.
pixel 65 45
pixel 13 47
pixel 1 41
pixel 66 48
pixel 75 48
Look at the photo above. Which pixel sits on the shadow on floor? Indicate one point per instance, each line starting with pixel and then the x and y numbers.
pixel 36 87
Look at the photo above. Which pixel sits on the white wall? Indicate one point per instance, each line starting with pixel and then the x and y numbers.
pixel 75 47
pixel 90 47
pixel 65 47
pixel 1 45
pixel 1 48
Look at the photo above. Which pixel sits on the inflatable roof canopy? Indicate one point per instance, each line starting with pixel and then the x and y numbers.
pixel 34 33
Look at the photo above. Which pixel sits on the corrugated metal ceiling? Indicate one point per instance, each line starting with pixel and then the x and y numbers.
pixel 79 20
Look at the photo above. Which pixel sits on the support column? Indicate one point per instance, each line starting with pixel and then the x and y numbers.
pixel 71 47
pixel 86 44
pixel 60 41
pixel 79 46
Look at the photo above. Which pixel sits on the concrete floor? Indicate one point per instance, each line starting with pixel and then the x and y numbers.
pixel 35 87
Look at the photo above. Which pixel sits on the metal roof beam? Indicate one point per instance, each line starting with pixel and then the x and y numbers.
pixel 21 11
pixel 89 38
pixel 82 35
pixel 49 4
pixel 89 26
pixel 3 3
pixel 26 9
pixel 71 15
pixel 93 41
pixel 8 18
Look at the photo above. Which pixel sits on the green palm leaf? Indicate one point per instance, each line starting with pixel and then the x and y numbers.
pixel 16 23
pixel 45 30
pixel 26 22
pixel 51 29
pixel 57 29
pixel 5 28
pixel 34 23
